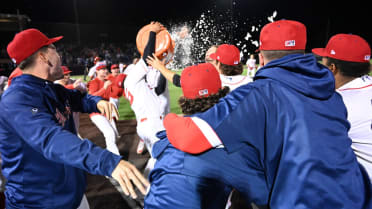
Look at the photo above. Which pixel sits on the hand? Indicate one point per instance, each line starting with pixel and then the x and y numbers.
pixel 155 62
pixel 156 27
pixel 126 173
pixel 107 108
pixel 77 83
pixel 106 84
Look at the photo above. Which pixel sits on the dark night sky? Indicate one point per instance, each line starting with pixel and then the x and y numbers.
pixel 322 18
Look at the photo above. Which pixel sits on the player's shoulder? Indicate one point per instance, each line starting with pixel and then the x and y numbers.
pixel 17 94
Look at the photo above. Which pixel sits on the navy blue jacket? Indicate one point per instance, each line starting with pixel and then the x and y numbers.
pixel 43 159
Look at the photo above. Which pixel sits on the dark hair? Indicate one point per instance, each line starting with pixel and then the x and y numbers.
pixel 277 54
pixel 30 61
pixel 231 69
pixel 191 106
pixel 350 69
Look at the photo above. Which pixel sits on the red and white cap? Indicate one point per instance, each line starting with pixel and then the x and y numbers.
pixel 100 67
pixel 200 81
pixel 283 35
pixel 227 54
pixel 114 66
pixel 66 70
pixel 346 47
pixel 27 42
pixel 96 59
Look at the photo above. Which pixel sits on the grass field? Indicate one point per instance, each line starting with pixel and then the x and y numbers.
pixel 174 93
pixel 126 112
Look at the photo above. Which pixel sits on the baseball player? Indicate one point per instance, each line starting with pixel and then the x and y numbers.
pixel 144 101
pixel 92 71
pixel 348 57
pixel 227 61
pixel 173 77
pixel 291 124
pixel 251 66
pixel 180 180
pixel 115 92
pixel 102 87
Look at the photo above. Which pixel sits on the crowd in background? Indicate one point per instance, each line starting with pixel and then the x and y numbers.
pixel 79 57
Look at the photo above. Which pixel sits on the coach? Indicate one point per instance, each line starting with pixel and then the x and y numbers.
pixel 44 161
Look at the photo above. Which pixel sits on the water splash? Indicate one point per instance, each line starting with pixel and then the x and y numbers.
pixel 193 38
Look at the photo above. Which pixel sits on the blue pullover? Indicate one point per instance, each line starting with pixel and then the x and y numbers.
pixel 44 161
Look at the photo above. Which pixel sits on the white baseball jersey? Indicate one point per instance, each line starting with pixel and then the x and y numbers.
pixel 251 63
pixel 234 81
pixel 144 103
pixel 152 78
pixel 357 96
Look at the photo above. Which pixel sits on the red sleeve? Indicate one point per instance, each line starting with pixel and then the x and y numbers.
pixel 15 73
pixel 185 135
pixel 96 89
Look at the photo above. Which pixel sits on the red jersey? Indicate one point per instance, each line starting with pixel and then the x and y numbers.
pixel 95 88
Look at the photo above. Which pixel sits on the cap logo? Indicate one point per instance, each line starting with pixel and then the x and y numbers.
pixel 367 57
pixel 14 60
pixel 203 92
pixel 290 43
pixel 236 62
pixel 333 51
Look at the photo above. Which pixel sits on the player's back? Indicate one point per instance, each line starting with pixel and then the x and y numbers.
pixel 144 102
pixel 234 81
pixel 357 96
pixel 297 123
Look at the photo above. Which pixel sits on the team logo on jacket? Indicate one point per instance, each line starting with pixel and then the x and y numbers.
pixel 60 117
pixel 34 110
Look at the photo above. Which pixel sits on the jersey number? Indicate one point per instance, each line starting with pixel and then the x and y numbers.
pixel 129 96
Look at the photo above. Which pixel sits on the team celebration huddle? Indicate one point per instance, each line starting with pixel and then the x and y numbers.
pixel 295 134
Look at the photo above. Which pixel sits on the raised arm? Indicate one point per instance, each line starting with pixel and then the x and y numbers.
pixel 159 65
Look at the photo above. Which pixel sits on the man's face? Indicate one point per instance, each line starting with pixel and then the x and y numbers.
pixel 54 62
pixel 102 73
pixel 210 51
pixel 66 77
pixel 115 71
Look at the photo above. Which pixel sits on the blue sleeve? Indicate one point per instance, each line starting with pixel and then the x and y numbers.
pixel 80 102
pixel 29 118
pixel 237 118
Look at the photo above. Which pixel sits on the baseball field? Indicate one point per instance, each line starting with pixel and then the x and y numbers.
pixel 174 93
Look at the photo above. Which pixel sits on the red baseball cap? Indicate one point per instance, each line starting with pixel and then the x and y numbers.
pixel 27 42
pixel 96 59
pixel 227 54
pixel 346 47
pixel 100 67
pixel 200 81
pixel 66 70
pixel 114 66
pixel 283 35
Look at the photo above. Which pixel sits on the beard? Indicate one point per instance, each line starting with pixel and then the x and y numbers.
pixel 56 73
